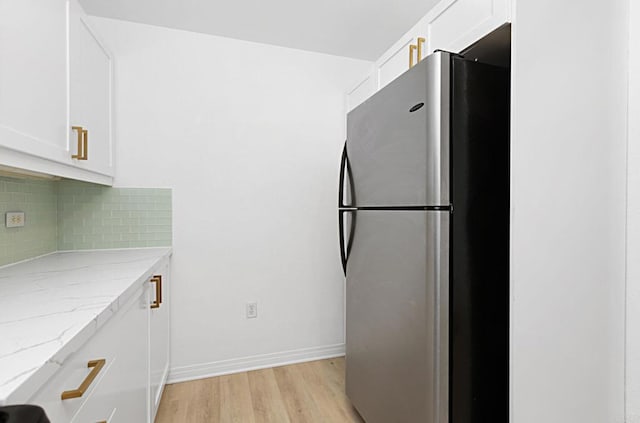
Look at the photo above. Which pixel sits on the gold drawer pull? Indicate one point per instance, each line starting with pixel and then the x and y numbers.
pixel 95 366
pixel 157 279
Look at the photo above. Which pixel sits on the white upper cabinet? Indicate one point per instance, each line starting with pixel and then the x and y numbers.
pixel 33 75
pixel 54 74
pixel 90 95
pixel 363 90
pixel 452 25
pixel 409 50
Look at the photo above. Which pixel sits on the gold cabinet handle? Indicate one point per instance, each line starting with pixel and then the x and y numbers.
pixel 412 49
pixel 157 279
pixel 95 366
pixel 421 41
pixel 85 142
pixel 80 130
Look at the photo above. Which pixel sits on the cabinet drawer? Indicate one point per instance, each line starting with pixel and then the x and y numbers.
pixel 110 343
pixel 100 405
pixel 124 387
pixel 74 372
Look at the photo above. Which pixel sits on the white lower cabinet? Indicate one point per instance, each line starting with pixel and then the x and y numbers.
pixel 119 374
pixel 159 337
pixel 124 386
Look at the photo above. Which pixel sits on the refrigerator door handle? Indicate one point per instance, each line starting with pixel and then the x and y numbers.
pixel 345 247
pixel 343 162
pixel 345 171
pixel 343 209
pixel 343 252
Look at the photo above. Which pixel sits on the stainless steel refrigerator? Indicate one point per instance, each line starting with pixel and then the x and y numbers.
pixel 424 223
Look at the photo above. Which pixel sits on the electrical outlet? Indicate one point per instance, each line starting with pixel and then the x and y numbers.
pixel 14 219
pixel 252 310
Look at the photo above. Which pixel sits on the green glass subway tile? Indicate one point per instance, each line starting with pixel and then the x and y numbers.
pixel 110 206
pixel 160 236
pixel 111 237
pixel 160 221
pixel 113 217
pixel 121 244
pixel 111 221
pixel 101 230
pixel 121 229
pixel 130 237
pixel 154 214
pixel 139 214
pixel 14 187
pixel 81 245
pixel 18 197
pixel 119 214
pixel 38 199
pixel 147 236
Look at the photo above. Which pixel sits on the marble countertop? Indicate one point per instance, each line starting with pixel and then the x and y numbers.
pixel 51 305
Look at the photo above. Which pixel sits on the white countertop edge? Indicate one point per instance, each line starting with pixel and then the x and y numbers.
pixel 40 376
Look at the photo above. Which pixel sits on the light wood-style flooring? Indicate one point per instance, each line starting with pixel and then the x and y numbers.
pixel 311 392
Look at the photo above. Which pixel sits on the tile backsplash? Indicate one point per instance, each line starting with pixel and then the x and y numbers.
pixel 38 199
pixel 93 216
pixel 72 215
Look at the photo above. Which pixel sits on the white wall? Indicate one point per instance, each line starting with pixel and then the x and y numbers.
pixel 633 220
pixel 249 138
pixel 568 210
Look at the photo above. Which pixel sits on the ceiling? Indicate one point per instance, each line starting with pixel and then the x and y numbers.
pixel 361 29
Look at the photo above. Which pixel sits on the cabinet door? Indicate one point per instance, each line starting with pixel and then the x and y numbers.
pixel 463 22
pixel 124 386
pixel 90 93
pixel 33 78
pixel 362 91
pixel 395 61
pixel 122 383
pixel 159 337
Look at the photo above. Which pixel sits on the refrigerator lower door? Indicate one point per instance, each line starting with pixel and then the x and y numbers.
pixel 397 316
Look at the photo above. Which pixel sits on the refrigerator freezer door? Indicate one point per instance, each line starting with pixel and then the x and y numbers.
pixel 398 140
pixel 397 316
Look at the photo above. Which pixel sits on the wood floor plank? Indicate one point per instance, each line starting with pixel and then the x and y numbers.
pixel 235 399
pixel 204 401
pixel 319 389
pixel 170 408
pixel 334 377
pixel 300 405
pixel 311 392
pixel 268 405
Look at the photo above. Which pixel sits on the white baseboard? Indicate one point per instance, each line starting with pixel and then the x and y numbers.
pixel 236 365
